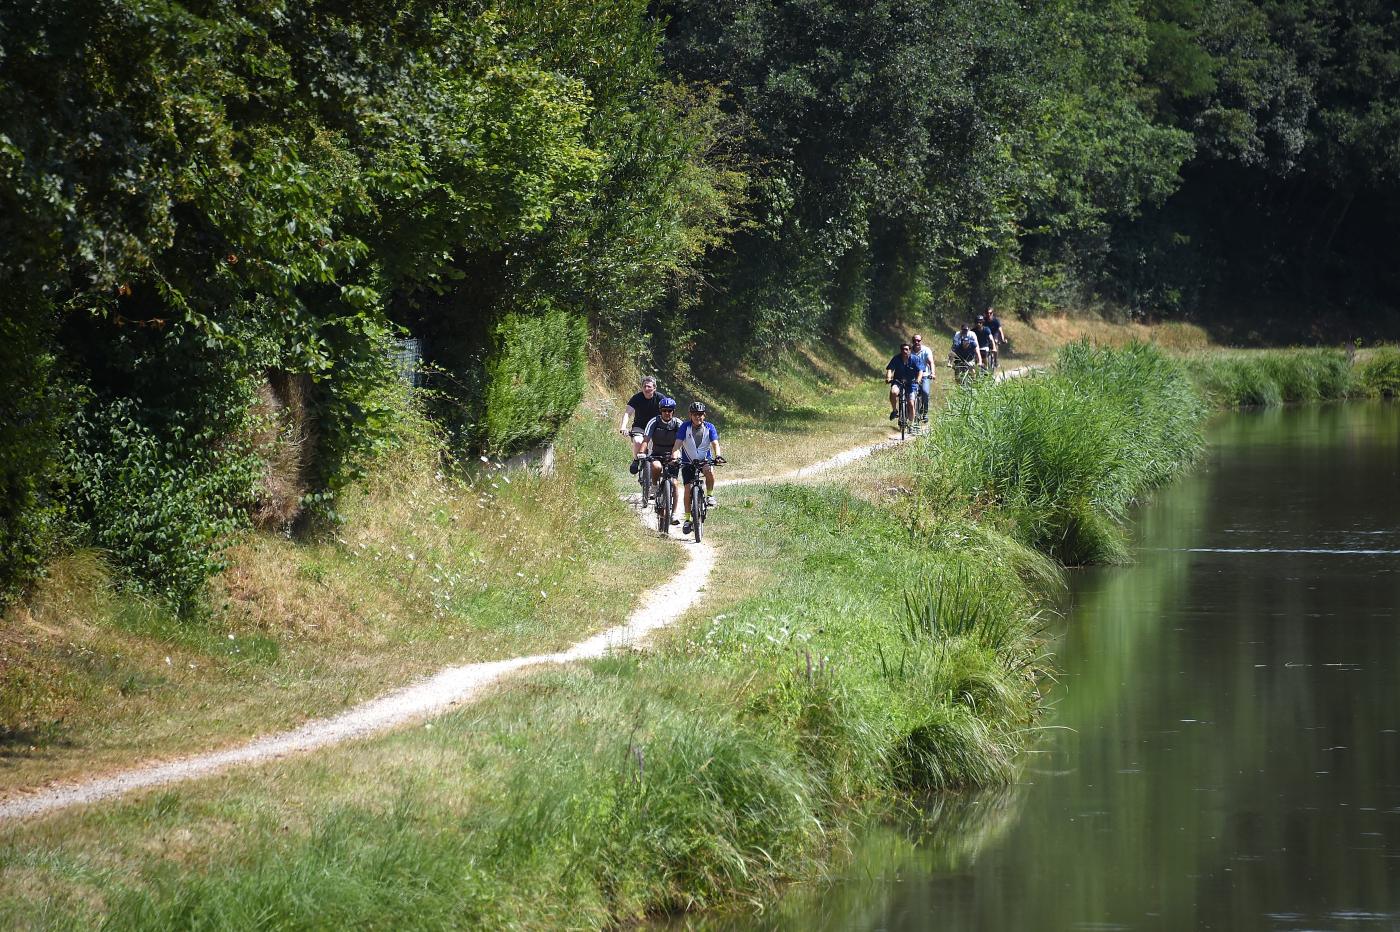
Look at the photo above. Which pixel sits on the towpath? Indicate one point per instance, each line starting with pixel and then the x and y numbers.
pixel 433 695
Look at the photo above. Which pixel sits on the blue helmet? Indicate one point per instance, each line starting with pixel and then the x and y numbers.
pixel 667 403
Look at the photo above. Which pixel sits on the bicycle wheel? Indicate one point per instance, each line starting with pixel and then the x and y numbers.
pixel 664 506
pixel 644 478
pixel 697 506
pixel 903 413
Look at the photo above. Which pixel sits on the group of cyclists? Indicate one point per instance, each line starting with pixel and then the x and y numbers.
pixel 911 372
pixel 659 438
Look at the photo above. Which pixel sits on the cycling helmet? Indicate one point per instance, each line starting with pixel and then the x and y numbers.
pixel 667 403
pixel 698 407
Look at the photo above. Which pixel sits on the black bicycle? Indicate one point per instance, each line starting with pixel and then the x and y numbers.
pixel 906 426
pixel 699 497
pixel 665 492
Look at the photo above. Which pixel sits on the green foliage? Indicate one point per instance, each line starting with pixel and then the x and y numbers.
pixel 534 378
pixel 161 510
pixel 1059 457
pixel 29 417
pixel 1275 377
pixel 1379 375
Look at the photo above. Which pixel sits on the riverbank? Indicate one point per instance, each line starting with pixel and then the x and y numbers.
pixel 856 643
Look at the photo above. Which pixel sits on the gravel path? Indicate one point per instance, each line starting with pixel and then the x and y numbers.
pixel 441 691
pixel 431 696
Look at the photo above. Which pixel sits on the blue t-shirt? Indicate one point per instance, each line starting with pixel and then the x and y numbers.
pixel 695 445
pixel 905 371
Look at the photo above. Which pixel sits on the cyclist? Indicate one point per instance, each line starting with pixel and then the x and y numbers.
pixel 903 370
pixel 661 443
pixel 994 322
pixel 699 443
pixel 641 408
pixel 924 357
pixel 986 343
pixel 965 352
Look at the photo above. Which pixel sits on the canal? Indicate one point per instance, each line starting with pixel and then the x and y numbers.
pixel 1223 750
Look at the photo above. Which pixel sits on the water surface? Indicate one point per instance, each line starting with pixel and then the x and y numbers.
pixel 1226 751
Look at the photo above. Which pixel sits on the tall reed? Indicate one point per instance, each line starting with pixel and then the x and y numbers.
pixel 1059 456
pixel 1261 378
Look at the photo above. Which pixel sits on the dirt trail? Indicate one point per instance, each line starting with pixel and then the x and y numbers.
pixel 431 696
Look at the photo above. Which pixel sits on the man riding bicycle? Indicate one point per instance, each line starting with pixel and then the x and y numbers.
pixel 994 323
pixel 966 352
pixel 699 444
pixel 903 370
pixel 660 436
pixel 641 408
pixel 924 357
pixel 986 342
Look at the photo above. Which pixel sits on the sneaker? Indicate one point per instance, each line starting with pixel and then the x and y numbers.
pixel 709 501
pixel 893 415
pixel 675 520
pixel 636 465
pixel 688 526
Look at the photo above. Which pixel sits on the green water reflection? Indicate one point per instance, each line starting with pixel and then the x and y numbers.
pixel 1231 752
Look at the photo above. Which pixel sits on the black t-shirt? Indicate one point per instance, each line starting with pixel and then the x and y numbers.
pixel 663 433
pixel 984 337
pixel 645 409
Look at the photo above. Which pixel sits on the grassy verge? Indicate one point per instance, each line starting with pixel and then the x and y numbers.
pixel 427 570
pixel 735 755
pixel 860 641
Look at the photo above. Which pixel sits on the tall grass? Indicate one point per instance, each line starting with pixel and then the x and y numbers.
pixel 1058 457
pixel 1272 377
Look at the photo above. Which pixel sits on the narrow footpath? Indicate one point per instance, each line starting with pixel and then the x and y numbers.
pixel 434 695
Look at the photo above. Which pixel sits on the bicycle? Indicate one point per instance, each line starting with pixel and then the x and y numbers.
pixel 993 360
pixel 666 493
pixel 905 425
pixel 699 498
pixel 962 368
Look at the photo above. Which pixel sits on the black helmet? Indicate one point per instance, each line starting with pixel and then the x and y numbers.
pixel 667 403
pixel 698 407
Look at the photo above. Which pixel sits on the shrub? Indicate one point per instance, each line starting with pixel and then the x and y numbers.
pixel 1274 377
pixel 28 419
pixel 1379 376
pixel 161 509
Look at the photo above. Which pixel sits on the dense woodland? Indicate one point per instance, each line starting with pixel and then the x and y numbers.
pixel 216 215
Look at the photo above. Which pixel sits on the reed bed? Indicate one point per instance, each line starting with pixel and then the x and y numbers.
pixel 1262 378
pixel 1057 457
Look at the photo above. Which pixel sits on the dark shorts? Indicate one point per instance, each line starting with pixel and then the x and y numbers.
pixel 689 471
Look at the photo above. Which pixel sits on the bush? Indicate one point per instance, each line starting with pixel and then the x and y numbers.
pixel 1274 377
pixel 28 438
pixel 162 510
pixel 1379 376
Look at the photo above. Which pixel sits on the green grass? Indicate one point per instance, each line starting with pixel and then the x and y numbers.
pixel 734 757
pixel 1057 457
pixel 857 643
pixel 1271 377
